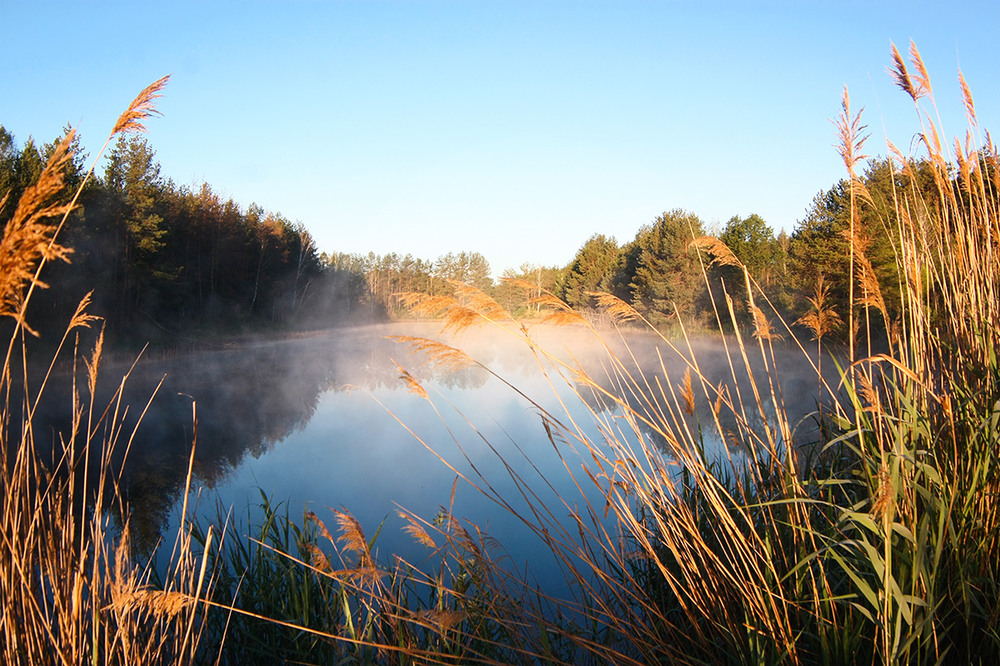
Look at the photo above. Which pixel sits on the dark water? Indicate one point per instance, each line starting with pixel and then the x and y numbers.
pixel 326 422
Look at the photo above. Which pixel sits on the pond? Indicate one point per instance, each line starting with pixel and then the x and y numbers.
pixel 326 422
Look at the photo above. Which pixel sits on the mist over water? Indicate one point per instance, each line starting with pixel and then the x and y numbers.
pixel 326 422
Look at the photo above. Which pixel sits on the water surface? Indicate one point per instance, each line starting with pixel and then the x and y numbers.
pixel 326 422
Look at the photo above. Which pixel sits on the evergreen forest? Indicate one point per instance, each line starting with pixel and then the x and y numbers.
pixel 175 265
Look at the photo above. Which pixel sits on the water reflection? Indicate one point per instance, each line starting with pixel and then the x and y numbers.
pixel 321 420
pixel 649 377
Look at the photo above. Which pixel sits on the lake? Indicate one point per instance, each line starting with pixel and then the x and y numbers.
pixel 326 422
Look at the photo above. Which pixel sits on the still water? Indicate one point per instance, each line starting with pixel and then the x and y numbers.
pixel 326 422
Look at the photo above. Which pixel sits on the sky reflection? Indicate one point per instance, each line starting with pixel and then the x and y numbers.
pixel 326 423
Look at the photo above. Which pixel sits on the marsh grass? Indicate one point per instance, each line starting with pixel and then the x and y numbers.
pixel 876 543
pixel 73 589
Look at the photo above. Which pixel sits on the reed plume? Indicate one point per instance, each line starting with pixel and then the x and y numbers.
pixel 73 592
pixel 141 109
pixel 28 240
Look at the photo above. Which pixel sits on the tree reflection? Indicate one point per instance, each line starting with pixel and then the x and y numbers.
pixel 252 396
pixel 246 398
pixel 719 407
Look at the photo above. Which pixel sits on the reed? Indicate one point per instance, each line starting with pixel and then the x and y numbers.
pixel 74 591
pixel 877 543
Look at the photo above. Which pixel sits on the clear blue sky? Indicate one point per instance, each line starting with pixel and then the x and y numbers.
pixel 517 129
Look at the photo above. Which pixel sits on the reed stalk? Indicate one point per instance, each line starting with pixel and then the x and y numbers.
pixel 877 543
pixel 74 590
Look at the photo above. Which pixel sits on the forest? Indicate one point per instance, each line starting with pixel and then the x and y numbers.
pixel 174 265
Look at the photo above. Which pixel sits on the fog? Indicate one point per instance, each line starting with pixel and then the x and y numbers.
pixel 326 421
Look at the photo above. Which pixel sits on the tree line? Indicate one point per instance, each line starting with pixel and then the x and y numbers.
pixel 171 263
pixel 164 262
pixel 168 262
pixel 669 277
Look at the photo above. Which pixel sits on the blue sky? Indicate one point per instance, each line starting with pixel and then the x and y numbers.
pixel 517 129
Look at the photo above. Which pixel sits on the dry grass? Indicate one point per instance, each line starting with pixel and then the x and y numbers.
pixel 73 591
pixel 878 544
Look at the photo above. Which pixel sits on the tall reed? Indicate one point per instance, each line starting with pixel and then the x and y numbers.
pixel 73 590
pixel 876 543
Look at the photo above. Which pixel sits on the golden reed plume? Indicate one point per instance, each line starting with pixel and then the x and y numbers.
pixel 141 108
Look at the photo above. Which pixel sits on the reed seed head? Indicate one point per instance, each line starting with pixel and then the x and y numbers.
pixel 141 108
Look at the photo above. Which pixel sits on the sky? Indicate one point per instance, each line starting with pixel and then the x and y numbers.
pixel 512 128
